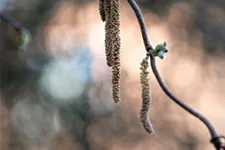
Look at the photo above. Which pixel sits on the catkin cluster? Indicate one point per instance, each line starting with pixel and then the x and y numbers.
pixel 146 97
pixel 110 14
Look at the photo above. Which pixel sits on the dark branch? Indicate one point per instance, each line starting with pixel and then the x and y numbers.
pixel 215 138
pixel 8 19
pixel 140 18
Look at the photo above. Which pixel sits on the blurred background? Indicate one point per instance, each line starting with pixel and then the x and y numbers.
pixel 195 33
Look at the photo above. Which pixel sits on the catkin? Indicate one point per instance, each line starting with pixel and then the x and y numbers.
pixel 111 14
pixel 102 9
pixel 108 32
pixel 116 83
pixel 146 97
pixel 115 15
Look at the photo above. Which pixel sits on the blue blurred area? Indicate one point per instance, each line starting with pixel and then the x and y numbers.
pixel 2 3
pixel 65 78
pixel 83 58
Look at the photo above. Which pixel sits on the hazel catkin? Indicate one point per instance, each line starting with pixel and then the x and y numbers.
pixel 108 33
pixel 115 16
pixel 112 43
pixel 146 97
pixel 102 9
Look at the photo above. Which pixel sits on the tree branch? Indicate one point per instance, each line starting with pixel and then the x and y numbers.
pixel 216 140
pixel 8 19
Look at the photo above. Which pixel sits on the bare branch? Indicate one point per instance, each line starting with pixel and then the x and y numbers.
pixel 8 19
pixel 216 140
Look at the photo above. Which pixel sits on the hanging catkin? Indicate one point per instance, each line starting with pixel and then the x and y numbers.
pixel 110 12
pixel 102 9
pixel 115 15
pixel 108 32
pixel 146 97
pixel 116 83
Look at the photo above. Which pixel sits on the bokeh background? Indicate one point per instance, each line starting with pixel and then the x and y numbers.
pixel 193 70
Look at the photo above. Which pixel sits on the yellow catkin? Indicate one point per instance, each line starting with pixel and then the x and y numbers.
pixel 115 15
pixel 146 97
pixel 102 9
pixel 108 33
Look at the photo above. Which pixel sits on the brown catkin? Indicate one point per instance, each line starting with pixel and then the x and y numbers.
pixel 102 9
pixel 115 15
pixel 108 33
pixel 146 97
pixel 116 83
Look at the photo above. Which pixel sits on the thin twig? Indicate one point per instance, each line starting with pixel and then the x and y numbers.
pixel 8 19
pixel 215 138
pixel 143 28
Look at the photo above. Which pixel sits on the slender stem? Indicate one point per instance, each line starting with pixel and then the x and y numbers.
pixel 216 139
pixel 141 21
pixel 8 19
pixel 180 102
